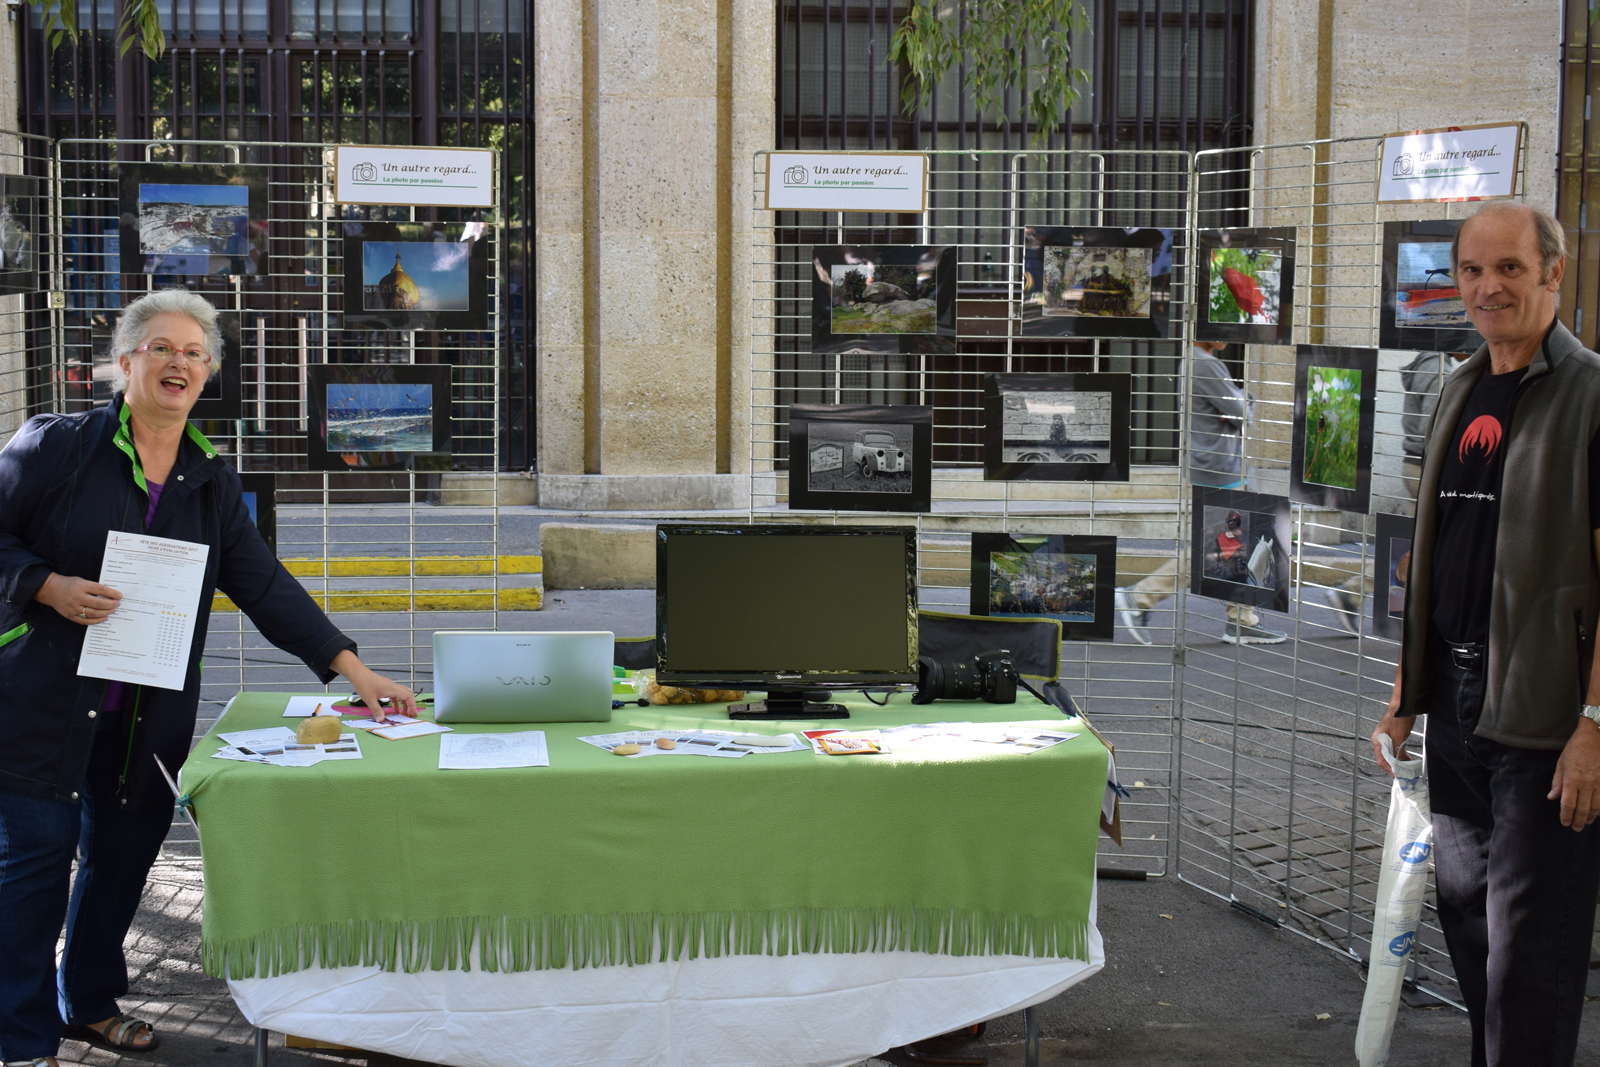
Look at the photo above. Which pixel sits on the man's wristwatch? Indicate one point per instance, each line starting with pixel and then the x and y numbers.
pixel 1592 713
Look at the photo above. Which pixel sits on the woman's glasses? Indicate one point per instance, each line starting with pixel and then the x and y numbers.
pixel 197 356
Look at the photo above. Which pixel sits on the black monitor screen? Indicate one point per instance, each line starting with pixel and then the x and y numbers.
pixel 737 602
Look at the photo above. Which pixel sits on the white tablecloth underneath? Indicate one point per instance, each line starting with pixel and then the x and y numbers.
pixel 736 1011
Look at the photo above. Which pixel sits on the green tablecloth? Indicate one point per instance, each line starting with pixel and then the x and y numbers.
pixel 598 860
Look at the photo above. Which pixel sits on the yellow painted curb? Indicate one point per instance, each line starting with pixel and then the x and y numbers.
pixel 401 567
pixel 429 600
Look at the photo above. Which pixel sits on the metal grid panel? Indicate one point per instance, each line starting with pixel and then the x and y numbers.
pixel 27 234
pixel 979 202
pixel 1281 808
pixel 354 538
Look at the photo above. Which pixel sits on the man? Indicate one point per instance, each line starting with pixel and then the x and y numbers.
pixel 1217 412
pixel 1503 597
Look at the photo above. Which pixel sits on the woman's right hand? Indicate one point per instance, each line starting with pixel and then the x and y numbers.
pixel 78 599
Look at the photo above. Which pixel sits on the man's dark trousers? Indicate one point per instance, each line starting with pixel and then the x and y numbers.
pixel 1516 888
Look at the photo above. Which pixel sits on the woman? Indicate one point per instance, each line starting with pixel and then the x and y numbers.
pixel 77 755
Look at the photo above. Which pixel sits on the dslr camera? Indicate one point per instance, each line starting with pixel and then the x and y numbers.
pixel 990 676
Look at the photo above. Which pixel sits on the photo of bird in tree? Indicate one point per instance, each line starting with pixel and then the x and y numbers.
pixel 1333 426
pixel 1245 285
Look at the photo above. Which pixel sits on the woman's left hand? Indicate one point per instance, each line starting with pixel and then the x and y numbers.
pixel 373 688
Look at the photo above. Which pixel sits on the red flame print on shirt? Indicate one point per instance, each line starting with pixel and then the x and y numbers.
pixel 1483 433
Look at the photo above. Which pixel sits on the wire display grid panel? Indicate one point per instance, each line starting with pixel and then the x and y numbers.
pixel 979 202
pixel 353 539
pixel 1280 805
pixel 27 237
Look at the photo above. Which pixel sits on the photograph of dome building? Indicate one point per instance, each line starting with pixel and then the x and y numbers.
pixel 415 275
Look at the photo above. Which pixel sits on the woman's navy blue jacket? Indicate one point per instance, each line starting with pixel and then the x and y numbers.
pixel 65 482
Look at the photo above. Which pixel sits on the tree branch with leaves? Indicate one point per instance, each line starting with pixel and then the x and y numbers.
pixel 141 24
pixel 1007 45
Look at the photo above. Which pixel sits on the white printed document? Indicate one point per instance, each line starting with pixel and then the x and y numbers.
pixel 146 640
pixel 467 752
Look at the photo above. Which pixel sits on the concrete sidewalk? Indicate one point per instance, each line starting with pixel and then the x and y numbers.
pixel 1187 981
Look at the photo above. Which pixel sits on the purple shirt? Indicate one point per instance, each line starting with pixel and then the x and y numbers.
pixel 115 691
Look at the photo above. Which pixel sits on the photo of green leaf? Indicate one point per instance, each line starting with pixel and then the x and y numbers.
pixel 1332 426
pixel 1245 285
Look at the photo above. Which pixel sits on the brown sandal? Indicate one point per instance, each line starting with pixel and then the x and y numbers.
pixel 119 1034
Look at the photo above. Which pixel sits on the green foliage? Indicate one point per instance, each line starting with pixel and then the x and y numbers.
pixel 991 35
pixel 854 284
pixel 141 23
pixel 1333 426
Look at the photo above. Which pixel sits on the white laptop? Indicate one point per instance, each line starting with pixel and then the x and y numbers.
pixel 512 676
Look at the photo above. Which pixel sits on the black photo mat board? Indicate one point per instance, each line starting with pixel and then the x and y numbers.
pixel 192 219
pixel 20 246
pixel 1391 558
pixel 260 497
pixel 1068 578
pixel 222 397
pixel 416 276
pixel 1246 290
pixel 1244 562
pixel 1421 307
pixel 883 298
pixel 1335 408
pixel 1056 427
pixel 1096 282
pixel 377 416
pixel 860 457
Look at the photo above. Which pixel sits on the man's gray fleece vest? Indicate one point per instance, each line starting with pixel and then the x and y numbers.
pixel 1546 585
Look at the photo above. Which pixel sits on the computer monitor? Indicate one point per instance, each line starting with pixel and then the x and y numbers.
pixel 789 610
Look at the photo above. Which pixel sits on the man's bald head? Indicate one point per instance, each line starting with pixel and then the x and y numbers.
pixel 1552 240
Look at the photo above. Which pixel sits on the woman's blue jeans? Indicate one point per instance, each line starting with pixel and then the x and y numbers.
pixel 38 840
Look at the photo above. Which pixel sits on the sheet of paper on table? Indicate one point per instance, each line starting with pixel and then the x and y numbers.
pixel 304 707
pixel 470 752
pixel 276 746
pixel 399 730
pixel 146 640
pixel 720 743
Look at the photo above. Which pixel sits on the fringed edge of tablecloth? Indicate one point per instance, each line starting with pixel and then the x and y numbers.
pixel 512 944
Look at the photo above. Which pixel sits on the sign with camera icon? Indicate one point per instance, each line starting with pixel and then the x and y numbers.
pixel 847 181
pixel 1454 163
pixel 413 177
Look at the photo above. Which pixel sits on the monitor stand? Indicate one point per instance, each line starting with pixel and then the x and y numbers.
pixel 786 704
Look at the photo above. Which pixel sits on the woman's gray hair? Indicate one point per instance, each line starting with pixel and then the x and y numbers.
pixel 134 323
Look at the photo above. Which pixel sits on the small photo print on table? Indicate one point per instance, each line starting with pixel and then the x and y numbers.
pixel 1056 427
pixel 1422 308
pixel 883 299
pixel 1335 407
pixel 1240 548
pixel 201 219
pixel 1096 282
pixel 1392 559
pixel 1247 281
pixel 1071 579
pixel 860 457
pixel 377 416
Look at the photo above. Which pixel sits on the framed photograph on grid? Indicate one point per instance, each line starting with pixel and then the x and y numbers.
pixel 887 298
pixel 860 457
pixel 202 219
pixel 221 396
pixel 1240 548
pixel 1335 406
pixel 1392 565
pixel 1246 286
pixel 1056 427
pixel 260 497
pixel 416 276
pixel 1096 282
pixel 1049 576
pixel 20 246
pixel 372 416
pixel 1421 308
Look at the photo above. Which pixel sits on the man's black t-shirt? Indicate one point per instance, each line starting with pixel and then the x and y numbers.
pixel 1469 510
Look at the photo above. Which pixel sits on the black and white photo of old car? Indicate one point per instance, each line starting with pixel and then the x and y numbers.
pixel 855 457
pixel 875 452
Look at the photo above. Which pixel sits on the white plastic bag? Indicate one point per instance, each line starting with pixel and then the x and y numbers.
pixel 1407 855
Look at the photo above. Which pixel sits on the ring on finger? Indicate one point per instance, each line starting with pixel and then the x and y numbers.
pixel 83 614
